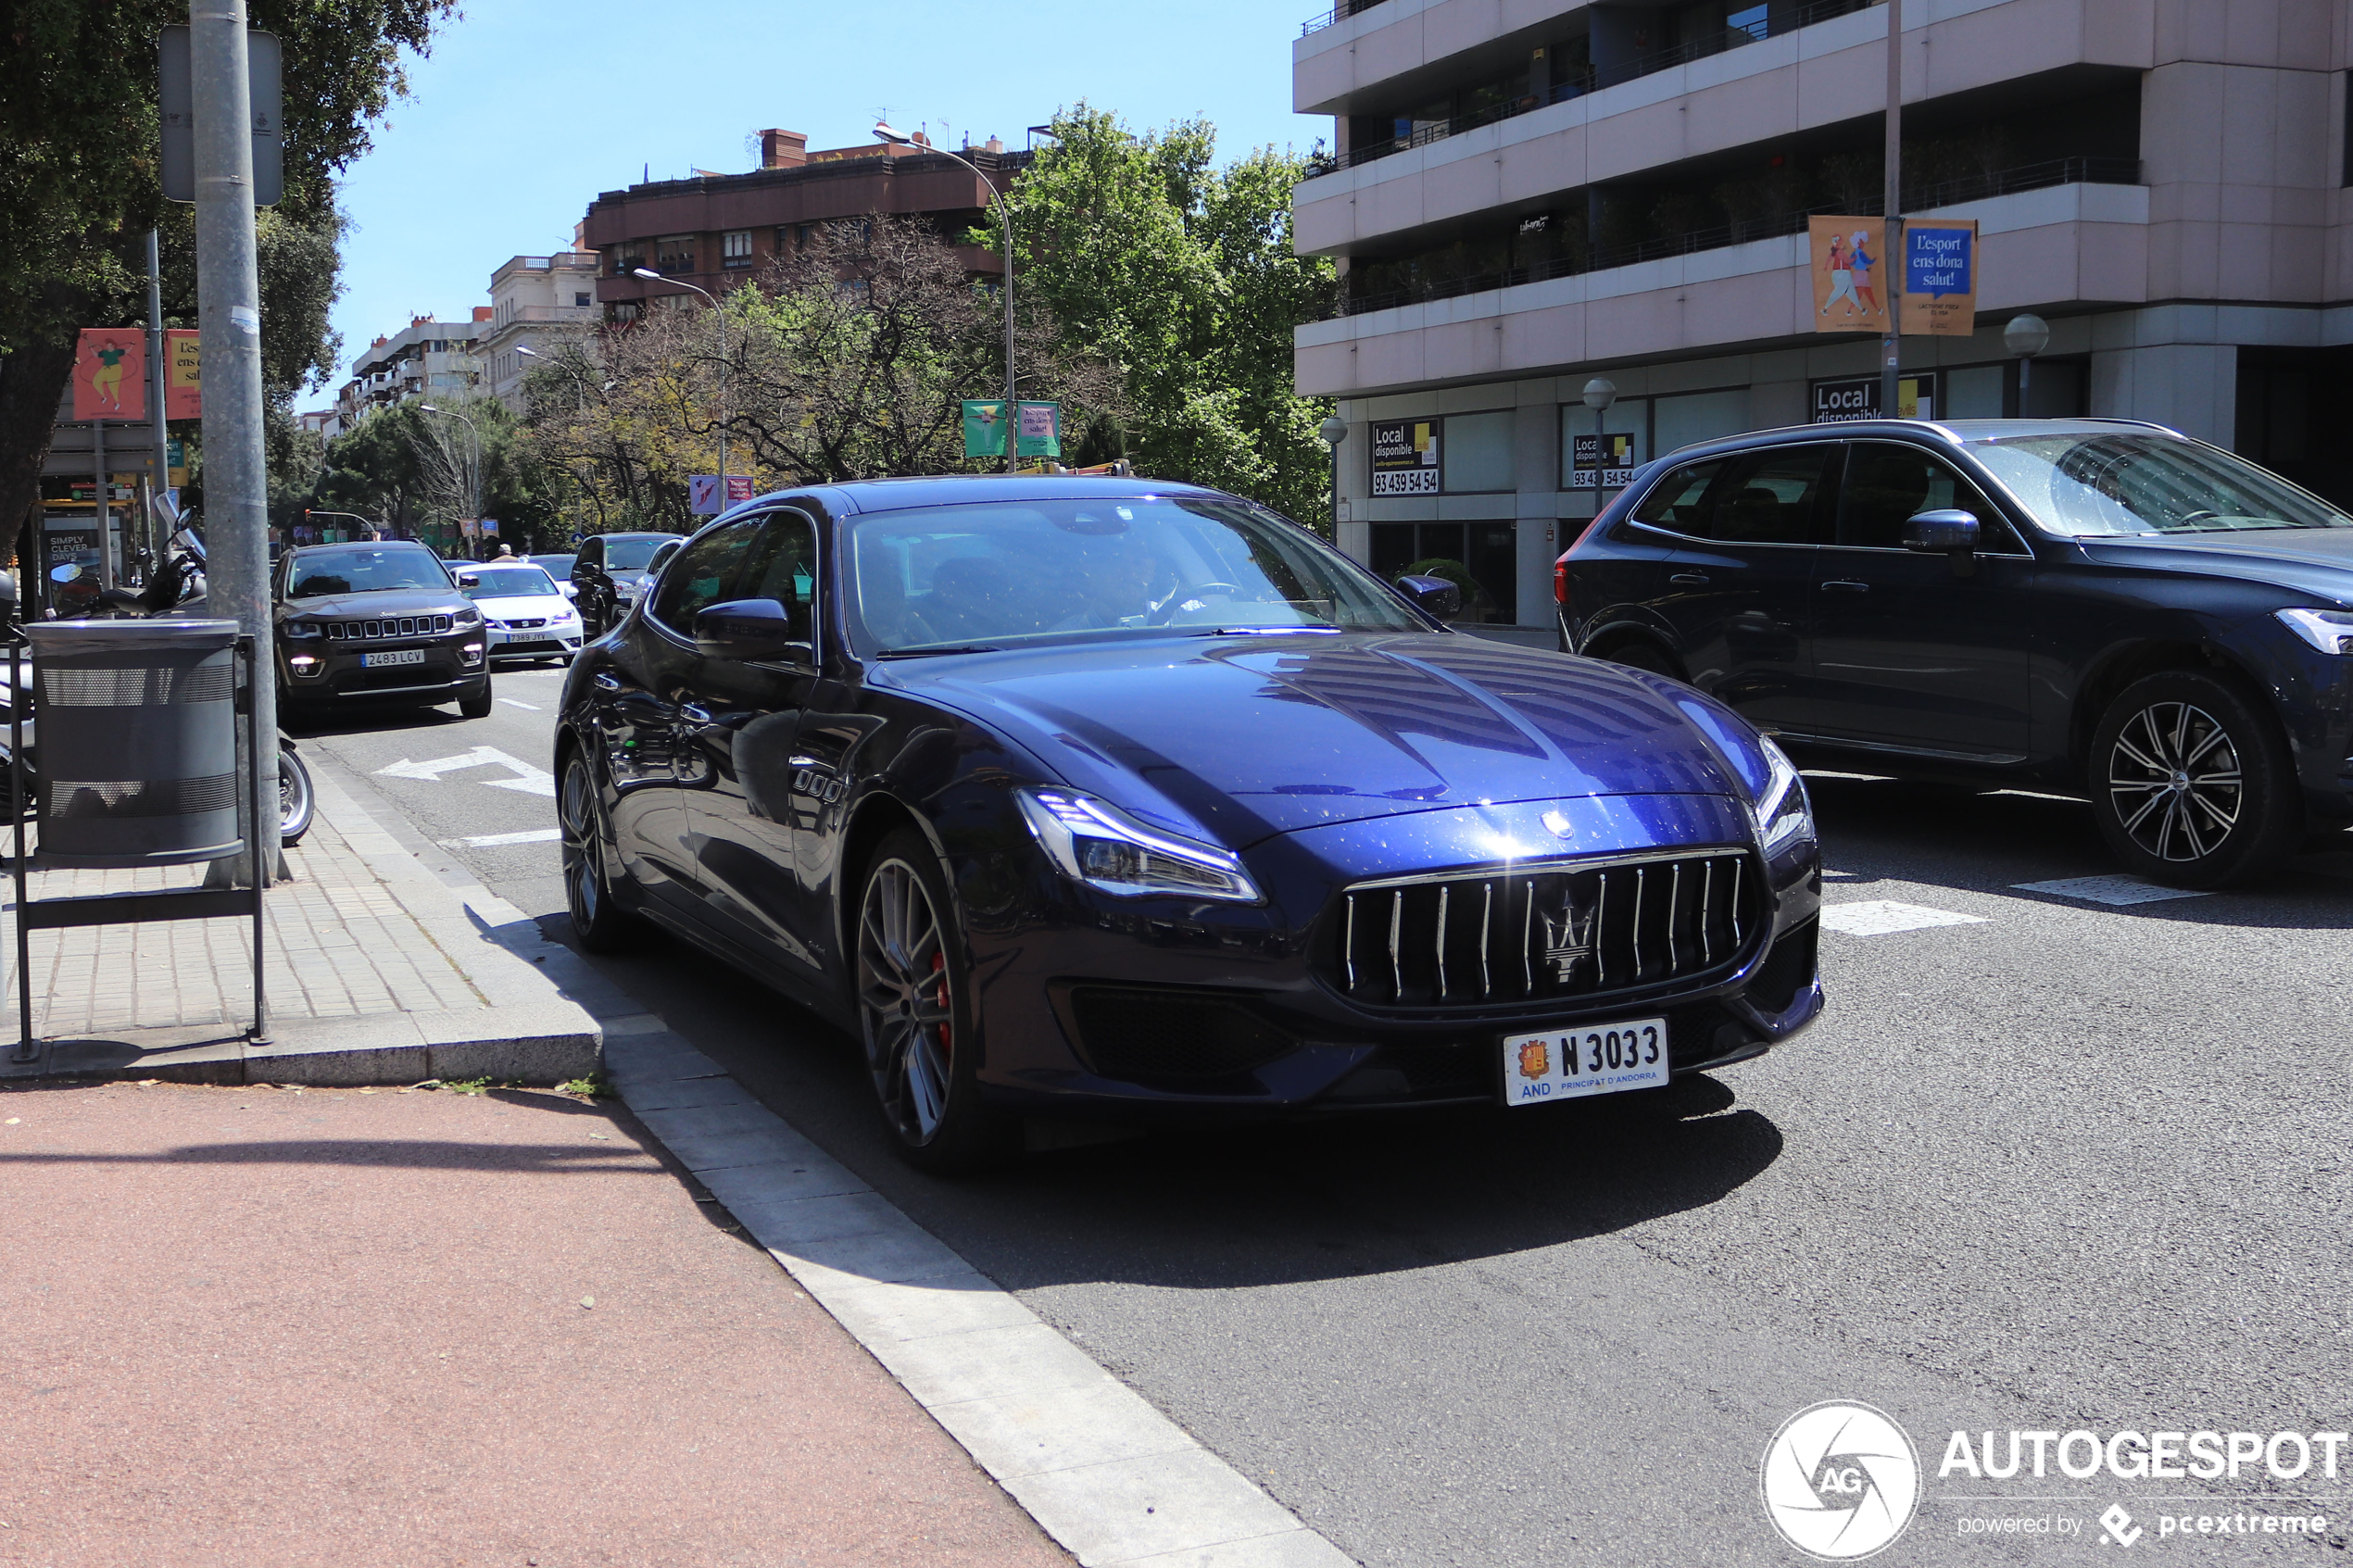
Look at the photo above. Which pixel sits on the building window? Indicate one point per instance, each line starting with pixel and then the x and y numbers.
pixel 734 247
pixel 675 253
pixel 581 299
pixel 627 260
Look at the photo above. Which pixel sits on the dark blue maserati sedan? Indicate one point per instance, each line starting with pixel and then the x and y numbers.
pixel 1136 800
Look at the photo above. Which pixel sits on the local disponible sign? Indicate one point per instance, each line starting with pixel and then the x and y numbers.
pixel 1406 456
pixel 1856 397
pixel 1940 277
pixel 1608 457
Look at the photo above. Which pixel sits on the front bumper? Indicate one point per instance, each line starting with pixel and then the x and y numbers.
pixel 534 641
pixel 315 672
pixel 1159 1007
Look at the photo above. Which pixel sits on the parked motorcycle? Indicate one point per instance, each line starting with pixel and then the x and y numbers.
pixel 173 590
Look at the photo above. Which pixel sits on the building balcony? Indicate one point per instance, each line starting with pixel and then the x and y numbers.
pixel 2073 244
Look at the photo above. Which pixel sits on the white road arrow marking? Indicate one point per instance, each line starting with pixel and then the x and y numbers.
pixel 492 840
pixel 527 779
pixel 512 703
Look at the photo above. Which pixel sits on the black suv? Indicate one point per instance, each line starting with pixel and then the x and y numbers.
pixel 2091 606
pixel 378 623
pixel 609 573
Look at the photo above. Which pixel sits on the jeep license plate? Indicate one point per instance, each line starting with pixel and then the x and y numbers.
pixel 1600 1058
pixel 392 656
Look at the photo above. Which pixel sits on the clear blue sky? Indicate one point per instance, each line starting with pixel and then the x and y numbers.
pixel 525 111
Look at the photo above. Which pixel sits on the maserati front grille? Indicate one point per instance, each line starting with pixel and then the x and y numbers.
pixel 1558 930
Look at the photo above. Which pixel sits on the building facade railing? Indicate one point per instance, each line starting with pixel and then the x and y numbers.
pixel 2028 177
pixel 1581 80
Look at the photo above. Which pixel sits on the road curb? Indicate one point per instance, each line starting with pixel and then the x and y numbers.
pixel 530 1033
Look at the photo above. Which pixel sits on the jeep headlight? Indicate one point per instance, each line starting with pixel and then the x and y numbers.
pixel 1094 842
pixel 1784 812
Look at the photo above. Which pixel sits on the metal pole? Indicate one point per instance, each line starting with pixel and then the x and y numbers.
pixel 158 380
pixel 1012 383
pixel 260 1032
pixel 105 519
pixel 19 693
pixel 229 312
pixel 1891 260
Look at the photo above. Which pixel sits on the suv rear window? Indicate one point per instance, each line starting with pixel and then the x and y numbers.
pixel 1680 501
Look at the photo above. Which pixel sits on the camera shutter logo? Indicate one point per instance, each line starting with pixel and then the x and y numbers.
pixel 1841 1481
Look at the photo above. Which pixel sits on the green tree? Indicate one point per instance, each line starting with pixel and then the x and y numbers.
pixel 80 185
pixel 1181 276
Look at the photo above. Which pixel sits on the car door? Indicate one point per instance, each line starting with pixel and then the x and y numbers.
pixel 743 716
pixel 1917 652
pixel 1743 570
pixel 651 756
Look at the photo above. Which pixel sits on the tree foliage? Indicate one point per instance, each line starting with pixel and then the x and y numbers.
pixel 1181 275
pixel 420 473
pixel 79 186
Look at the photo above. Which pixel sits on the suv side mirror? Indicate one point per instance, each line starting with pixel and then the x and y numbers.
pixel 1435 595
pixel 750 629
pixel 1948 533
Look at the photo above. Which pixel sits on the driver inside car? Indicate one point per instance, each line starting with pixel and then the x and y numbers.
pixel 1113 576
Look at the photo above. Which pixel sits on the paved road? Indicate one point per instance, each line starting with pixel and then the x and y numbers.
pixel 2047 1164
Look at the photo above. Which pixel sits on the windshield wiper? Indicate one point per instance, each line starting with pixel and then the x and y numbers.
pixel 932 653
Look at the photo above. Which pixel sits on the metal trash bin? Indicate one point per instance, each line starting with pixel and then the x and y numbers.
pixel 138 747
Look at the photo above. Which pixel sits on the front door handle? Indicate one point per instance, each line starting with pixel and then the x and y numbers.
pixel 1846 586
pixel 1690 578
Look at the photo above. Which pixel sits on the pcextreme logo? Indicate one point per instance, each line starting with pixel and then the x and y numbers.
pixel 1840 1481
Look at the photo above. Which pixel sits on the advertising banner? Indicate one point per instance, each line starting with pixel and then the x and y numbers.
pixel 738 488
pixel 1607 459
pixel 705 495
pixel 1940 276
pixel 1041 429
pixel 1856 397
pixel 182 398
pixel 110 375
pixel 984 428
pixel 1406 456
pixel 1849 274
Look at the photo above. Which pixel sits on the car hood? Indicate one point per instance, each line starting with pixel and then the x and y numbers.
pixel 2313 560
pixel 1252 736
pixel 374 605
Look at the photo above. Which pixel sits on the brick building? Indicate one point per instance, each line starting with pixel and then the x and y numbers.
pixel 716 230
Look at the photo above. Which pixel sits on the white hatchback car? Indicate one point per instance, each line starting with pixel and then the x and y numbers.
pixel 523 612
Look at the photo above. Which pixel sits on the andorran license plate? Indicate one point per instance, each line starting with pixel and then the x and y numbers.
pixel 1600 1058
pixel 392 655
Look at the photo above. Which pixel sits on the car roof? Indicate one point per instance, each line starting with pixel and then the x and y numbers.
pixel 639 534
pixel 963 489
pixel 1955 432
pixel 360 545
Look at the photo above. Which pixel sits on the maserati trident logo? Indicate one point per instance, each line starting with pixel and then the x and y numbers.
pixel 1568 941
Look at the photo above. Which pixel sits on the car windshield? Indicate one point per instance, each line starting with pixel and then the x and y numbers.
pixel 630 555
pixel 507 582
pixel 363 570
pixel 555 566
pixel 2131 484
pixel 1000 572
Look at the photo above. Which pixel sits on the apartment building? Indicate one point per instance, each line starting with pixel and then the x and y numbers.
pixel 428 358
pixel 716 230
pixel 534 299
pixel 1527 194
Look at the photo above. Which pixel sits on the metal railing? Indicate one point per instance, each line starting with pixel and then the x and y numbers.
pixel 1339 13
pixel 1584 80
pixel 1919 198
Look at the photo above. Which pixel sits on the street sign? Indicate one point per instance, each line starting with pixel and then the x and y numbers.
pixel 1406 456
pixel 176 99
pixel 110 375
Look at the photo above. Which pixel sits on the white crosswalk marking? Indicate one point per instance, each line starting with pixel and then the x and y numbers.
pixel 527 779
pixel 492 840
pixel 1879 917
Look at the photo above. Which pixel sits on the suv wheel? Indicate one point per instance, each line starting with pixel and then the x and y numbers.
pixel 2192 783
pixel 915 1010
pixel 602 925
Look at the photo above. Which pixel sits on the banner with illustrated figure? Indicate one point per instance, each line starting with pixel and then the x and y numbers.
pixel 110 375
pixel 1850 274
pixel 1940 276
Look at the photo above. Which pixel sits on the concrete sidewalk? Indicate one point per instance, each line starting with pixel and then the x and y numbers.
pixel 253 1326
pixel 376 974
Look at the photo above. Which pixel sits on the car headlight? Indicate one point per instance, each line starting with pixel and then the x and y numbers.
pixel 467 618
pixel 299 632
pixel 2327 630
pixel 1095 842
pixel 1784 812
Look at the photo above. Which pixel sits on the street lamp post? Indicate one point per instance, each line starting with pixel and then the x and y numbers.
pixel 1334 430
pixel 474 473
pixel 718 310
pixel 1600 393
pixel 2027 335
pixel 1005 216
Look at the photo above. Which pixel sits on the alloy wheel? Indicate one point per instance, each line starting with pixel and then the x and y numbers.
pixel 904 993
pixel 576 821
pixel 2174 782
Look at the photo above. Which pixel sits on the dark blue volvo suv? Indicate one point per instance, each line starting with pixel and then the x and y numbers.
pixel 2092 607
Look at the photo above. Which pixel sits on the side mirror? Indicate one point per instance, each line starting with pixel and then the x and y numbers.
pixel 1433 594
pixel 1949 533
pixel 750 629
